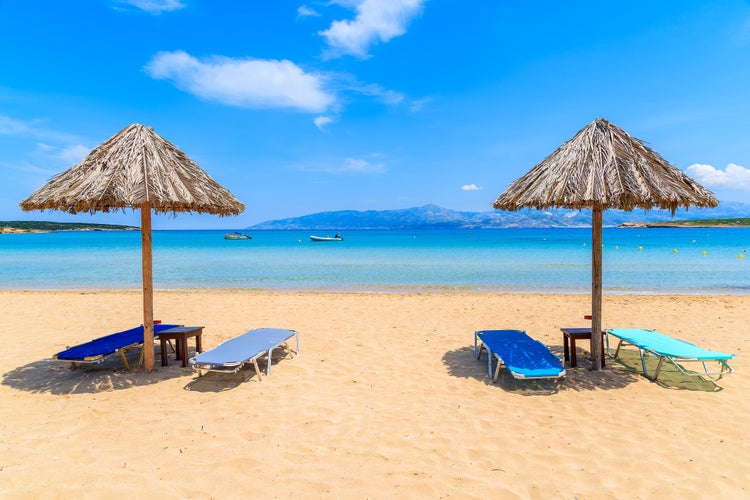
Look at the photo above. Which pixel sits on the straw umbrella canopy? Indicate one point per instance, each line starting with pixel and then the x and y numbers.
pixel 603 167
pixel 137 169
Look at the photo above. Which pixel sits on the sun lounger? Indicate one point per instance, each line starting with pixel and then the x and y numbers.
pixel 233 354
pixel 94 351
pixel 678 352
pixel 524 357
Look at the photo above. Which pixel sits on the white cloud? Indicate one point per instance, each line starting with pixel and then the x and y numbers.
pixel 345 82
pixel 733 177
pixel 305 11
pixel 30 169
pixel 376 21
pixel 418 104
pixel 347 166
pixel 155 6
pixel 10 126
pixel 73 154
pixel 471 187
pixel 322 121
pixel 359 165
pixel 375 90
pixel 251 83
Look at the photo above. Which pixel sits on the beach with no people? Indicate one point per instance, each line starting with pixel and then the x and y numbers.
pixel 385 400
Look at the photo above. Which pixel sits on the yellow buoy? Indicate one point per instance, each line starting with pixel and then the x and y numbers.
pixel 674 250
pixel 742 256
pixel 704 252
pixel 640 248
pixel 617 247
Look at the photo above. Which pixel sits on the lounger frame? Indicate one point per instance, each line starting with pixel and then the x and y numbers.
pixel 479 345
pixel 251 356
pixel 677 361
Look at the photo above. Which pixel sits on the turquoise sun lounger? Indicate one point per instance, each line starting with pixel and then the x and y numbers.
pixel 94 351
pixel 524 357
pixel 678 352
pixel 233 354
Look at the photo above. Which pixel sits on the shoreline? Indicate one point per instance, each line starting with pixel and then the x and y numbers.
pixel 391 291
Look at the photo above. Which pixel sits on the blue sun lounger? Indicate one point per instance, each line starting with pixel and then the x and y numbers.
pixel 94 351
pixel 524 357
pixel 233 354
pixel 676 351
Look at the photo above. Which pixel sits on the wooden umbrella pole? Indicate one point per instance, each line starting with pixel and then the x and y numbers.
pixel 148 289
pixel 596 288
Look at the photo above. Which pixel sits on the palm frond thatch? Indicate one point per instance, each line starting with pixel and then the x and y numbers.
pixel 603 166
pixel 133 167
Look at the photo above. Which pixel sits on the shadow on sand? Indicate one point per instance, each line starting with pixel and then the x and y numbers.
pixel 617 374
pixel 55 377
pixel 669 376
pixel 212 381
pixel 220 382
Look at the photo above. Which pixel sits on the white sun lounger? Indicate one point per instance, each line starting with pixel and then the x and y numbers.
pixel 233 354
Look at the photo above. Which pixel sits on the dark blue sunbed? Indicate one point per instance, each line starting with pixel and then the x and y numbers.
pixel 94 351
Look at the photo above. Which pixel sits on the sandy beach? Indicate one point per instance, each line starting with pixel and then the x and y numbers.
pixel 385 401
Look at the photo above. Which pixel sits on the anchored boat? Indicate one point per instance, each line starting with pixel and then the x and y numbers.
pixel 237 236
pixel 327 238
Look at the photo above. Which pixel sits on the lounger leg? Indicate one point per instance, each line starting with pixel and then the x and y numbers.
pixel 643 363
pixel 617 351
pixel 658 368
pixel 270 359
pixel 257 370
pixel 497 371
pixel 489 363
pixel 478 346
pixel 124 359
pixel 606 343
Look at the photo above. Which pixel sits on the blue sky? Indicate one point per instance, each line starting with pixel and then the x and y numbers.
pixel 306 106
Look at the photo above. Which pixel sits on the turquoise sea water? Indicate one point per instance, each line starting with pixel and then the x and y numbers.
pixel 511 260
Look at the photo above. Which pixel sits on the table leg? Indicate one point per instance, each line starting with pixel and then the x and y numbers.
pixel 163 344
pixel 198 345
pixel 183 349
pixel 178 348
pixel 573 360
pixel 566 352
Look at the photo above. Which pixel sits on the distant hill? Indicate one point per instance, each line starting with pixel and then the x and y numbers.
pixel 435 217
pixel 33 226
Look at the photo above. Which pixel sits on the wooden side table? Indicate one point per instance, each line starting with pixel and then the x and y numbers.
pixel 180 334
pixel 570 335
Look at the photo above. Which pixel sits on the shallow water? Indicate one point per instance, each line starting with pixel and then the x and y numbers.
pixel 689 260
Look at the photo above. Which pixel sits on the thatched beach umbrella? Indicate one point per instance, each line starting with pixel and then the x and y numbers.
pixel 603 167
pixel 138 169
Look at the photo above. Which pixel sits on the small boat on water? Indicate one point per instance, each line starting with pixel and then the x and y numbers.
pixel 237 236
pixel 327 238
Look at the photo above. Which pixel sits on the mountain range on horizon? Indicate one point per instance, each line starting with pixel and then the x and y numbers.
pixel 435 217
